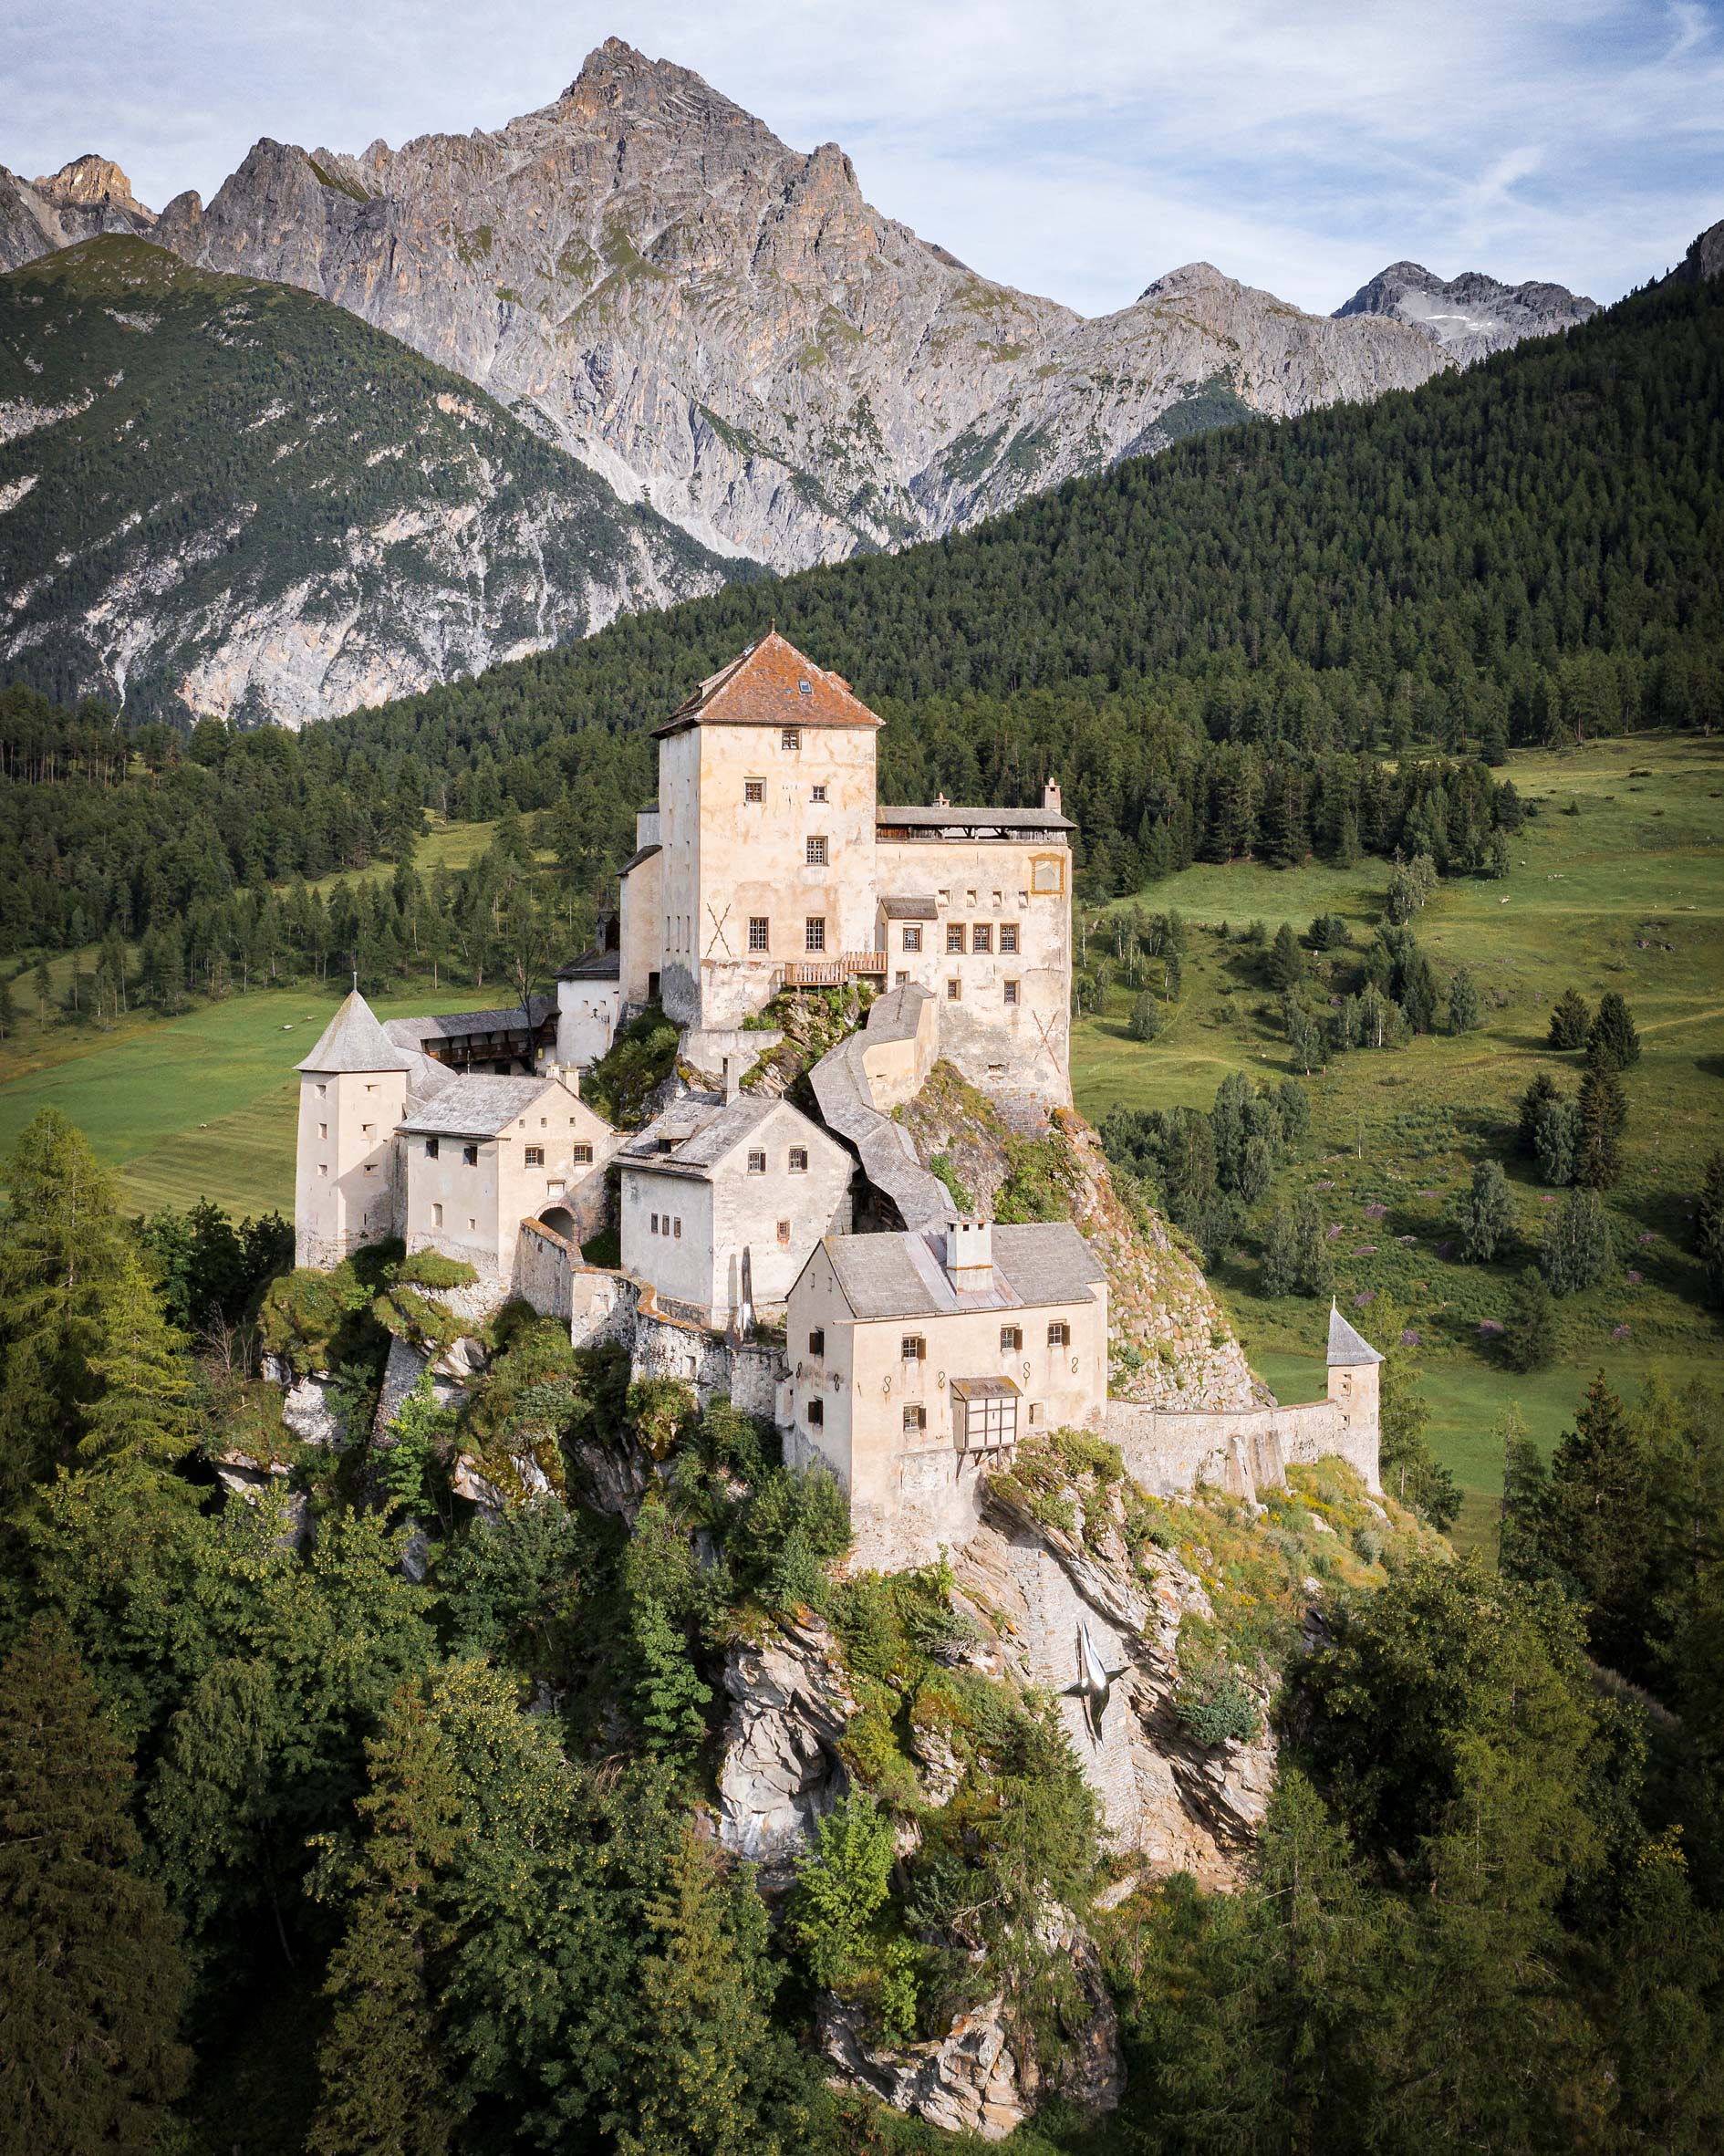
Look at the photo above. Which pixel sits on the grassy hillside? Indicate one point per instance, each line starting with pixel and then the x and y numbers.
pixel 1628 894
pixel 230 496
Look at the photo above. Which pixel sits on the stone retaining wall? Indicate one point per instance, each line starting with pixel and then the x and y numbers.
pixel 1170 1452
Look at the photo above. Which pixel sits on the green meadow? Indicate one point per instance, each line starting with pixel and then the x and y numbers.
pixel 1627 893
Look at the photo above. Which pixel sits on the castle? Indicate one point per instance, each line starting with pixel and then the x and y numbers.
pixel 917 1345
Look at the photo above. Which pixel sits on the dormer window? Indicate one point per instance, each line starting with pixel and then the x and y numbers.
pixel 804 688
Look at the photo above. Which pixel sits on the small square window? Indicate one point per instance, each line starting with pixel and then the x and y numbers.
pixel 814 932
pixel 969 898
pixel 819 794
pixel 791 737
pixel 323 1129
pixel 1059 1334
pixel 323 1167
pixel 817 853
pixel 470 1154
pixel 915 1420
pixel 799 1160
pixel 954 935
pixel 1011 992
pixel 759 932
pixel 1008 938
pixel 913 1347
pixel 582 1155
pixel 816 1413
pixel 784 1233
pixel 900 979
pixel 322 1091
pixel 366 1130
pixel 954 991
pixel 535 1156
pixel 754 789
pixel 473 1225
pixel 913 936
pixel 981 936
pixel 757 1163
pixel 818 1341
pixel 1010 1338
pixel 1035 1414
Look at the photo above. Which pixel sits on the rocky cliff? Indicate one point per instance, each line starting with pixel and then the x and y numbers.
pixel 89 195
pixel 1470 316
pixel 223 497
pixel 724 326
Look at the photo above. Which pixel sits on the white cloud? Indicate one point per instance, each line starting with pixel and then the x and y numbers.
pixel 1078 149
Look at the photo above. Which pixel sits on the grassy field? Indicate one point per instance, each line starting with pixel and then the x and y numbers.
pixel 1626 894
pixel 198 1106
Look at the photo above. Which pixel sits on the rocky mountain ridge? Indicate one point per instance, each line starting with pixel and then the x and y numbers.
pixel 225 498
pixel 89 195
pixel 1470 316
pixel 724 326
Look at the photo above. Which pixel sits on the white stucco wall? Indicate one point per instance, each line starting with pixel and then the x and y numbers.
pixel 344 1169
pixel 585 1020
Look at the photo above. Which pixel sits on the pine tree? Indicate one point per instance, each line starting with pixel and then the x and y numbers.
pixel 1600 1115
pixel 1524 1486
pixel 1295 1253
pixel 1596 1527
pixel 1542 1090
pixel 1463 1003
pixel 666 1692
pixel 92 1979
pixel 1577 1245
pixel 140 1419
pixel 62 1250
pixel 1570 1021
pixel 1556 1140
pixel 1612 1038
pixel 1487 1214
pixel 384 2085
pixel 1147 1018
pixel 1528 1336
pixel 1285 965
pixel 1708 1228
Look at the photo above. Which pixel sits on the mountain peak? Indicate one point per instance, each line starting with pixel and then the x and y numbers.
pixel 1470 315
pixel 92 182
pixel 616 73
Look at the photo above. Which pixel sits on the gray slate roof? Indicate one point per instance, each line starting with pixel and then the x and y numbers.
pixel 1345 1345
pixel 353 1040
pixel 476 1105
pixel 706 1133
pixel 642 853
pixel 950 816
pixel 457 1024
pixel 908 909
pixel 593 965
pixel 1034 1265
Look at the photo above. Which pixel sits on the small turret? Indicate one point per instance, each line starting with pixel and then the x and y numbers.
pixel 1355 1389
pixel 352 1095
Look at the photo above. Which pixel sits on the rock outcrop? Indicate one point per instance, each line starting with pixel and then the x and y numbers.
pixel 724 326
pixel 781 1769
pixel 89 195
pixel 1470 316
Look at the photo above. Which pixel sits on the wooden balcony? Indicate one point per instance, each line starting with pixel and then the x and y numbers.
pixel 834 972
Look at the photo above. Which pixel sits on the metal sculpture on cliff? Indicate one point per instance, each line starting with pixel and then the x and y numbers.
pixel 1094 1682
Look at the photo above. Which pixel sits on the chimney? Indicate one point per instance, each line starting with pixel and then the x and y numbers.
pixel 970 1256
pixel 1051 798
pixel 732 1079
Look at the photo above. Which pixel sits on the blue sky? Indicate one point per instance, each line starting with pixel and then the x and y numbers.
pixel 1078 149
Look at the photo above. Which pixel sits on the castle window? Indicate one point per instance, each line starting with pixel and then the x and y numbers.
pixel 816 1413
pixel 322 1090
pixel 582 1155
pixel 1011 992
pixel 366 1130
pixel 784 1233
pixel 754 789
pixel 915 1420
pixel 473 1224
pixel 470 1154
pixel 912 1349
pixel 817 853
pixel 818 1341
pixel 1008 938
pixel 654 1229
pixel 1059 1334
pixel 791 738
pixel 954 990
pixel 819 794
pixel 913 936
pixel 757 1163
pixel 1035 1414
pixel 799 1160
pixel 814 932
pixel 535 1156
pixel 437 1216
pixel 759 932
pixel 676 1229
pixel 954 935
pixel 323 1129
pixel 969 898
pixel 1010 1338
pixel 323 1167
pixel 900 979
pixel 981 937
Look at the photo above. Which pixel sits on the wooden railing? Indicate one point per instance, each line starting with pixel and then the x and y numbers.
pixel 832 973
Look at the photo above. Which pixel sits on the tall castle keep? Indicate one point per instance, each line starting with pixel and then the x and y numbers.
pixel 768 862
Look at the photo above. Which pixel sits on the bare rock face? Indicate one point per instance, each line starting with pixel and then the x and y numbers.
pixel 1470 316
pixel 723 326
pixel 89 195
pixel 781 1769
pixel 1705 257
pixel 966 2081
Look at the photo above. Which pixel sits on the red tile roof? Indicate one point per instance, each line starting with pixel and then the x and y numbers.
pixel 772 684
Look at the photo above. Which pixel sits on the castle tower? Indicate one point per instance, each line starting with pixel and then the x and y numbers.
pixel 352 1095
pixel 1353 1388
